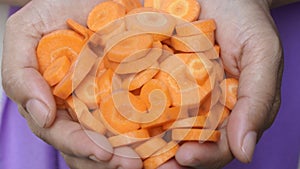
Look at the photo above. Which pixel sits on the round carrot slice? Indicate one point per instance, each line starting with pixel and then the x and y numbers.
pixel 129 4
pixel 113 120
pixel 124 46
pixel 161 156
pixel 136 81
pixel 196 135
pixel 156 23
pixel 156 4
pixel 104 13
pixel 55 41
pixel 148 148
pixel 196 43
pixel 188 10
pixel 129 138
pixel 196 27
pixel 229 89
pixel 57 70
pixel 192 122
pixel 154 84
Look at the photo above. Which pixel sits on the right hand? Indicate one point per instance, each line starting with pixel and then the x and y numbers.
pixel 24 85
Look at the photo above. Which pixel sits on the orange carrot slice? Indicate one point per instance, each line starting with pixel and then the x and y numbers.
pixel 154 84
pixel 136 81
pixel 64 51
pixel 55 41
pixel 151 146
pixel 129 4
pixel 76 74
pixel 156 132
pixel 167 51
pixel 172 85
pixel 103 14
pixel 161 156
pixel 195 135
pixel 124 45
pixel 156 4
pixel 107 83
pixel 170 114
pixel 213 53
pixel 155 23
pixel 196 43
pixel 57 70
pixel 87 91
pixel 107 33
pixel 196 27
pixel 139 64
pixel 75 107
pixel 219 70
pixel 82 30
pixel 188 10
pixel 91 123
pixel 216 116
pixel 129 138
pixel 113 120
pixel 229 89
pixel 192 122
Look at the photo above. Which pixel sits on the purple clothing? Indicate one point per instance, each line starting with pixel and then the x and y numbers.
pixel 278 148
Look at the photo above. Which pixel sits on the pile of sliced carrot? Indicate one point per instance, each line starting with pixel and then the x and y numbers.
pixel 147 77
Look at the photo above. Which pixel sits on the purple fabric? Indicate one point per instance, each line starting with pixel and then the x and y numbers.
pixel 278 148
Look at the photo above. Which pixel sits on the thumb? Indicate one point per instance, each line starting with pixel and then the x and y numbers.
pixel 21 80
pixel 258 96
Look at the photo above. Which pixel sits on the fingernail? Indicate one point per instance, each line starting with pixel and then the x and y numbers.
pixel 38 111
pixel 249 145
pixel 94 158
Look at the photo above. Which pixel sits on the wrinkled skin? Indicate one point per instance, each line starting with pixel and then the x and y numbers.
pixel 251 52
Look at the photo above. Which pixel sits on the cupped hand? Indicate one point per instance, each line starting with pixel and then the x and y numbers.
pixel 23 84
pixel 251 51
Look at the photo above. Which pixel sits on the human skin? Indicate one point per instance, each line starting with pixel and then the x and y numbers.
pixel 251 52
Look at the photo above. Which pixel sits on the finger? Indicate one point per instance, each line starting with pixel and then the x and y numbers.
pixel 21 80
pixel 205 155
pixel 172 164
pixel 125 158
pixel 82 163
pixel 258 95
pixel 68 137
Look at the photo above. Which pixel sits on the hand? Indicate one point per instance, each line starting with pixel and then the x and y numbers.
pixel 24 84
pixel 251 52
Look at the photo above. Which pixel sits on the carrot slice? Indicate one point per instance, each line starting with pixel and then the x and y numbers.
pixel 124 45
pixel 156 4
pixel 213 53
pixel 64 51
pixel 216 116
pixel 190 92
pixel 103 14
pixel 219 70
pixel 55 41
pixel 75 107
pixel 107 83
pixel 188 10
pixel 129 138
pixel 86 92
pixel 167 51
pixel 192 122
pixel 76 74
pixel 198 66
pixel 151 146
pixel 113 120
pixel 161 156
pixel 154 84
pixel 134 82
pixel 139 64
pixel 172 85
pixel 110 30
pixel 170 114
pixel 57 70
pixel 156 132
pixel 82 30
pixel 159 24
pixel 229 89
pixel 91 123
pixel 129 4
pixel 196 27
pixel 196 135
pixel 196 43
